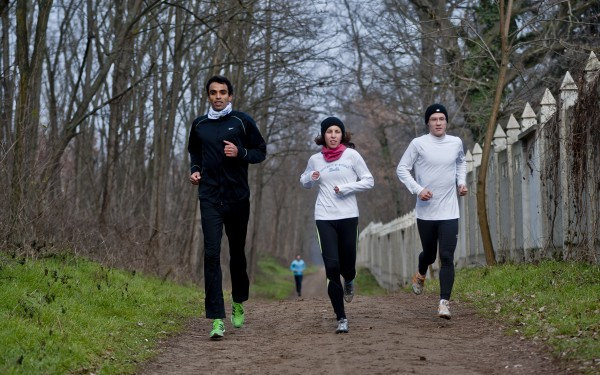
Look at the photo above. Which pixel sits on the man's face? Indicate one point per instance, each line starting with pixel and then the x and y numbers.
pixel 218 96
pixel 437 124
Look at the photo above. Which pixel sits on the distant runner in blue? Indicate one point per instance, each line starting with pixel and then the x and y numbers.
pixel 297 268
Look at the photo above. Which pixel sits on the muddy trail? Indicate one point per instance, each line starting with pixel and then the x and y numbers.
pixel 399 333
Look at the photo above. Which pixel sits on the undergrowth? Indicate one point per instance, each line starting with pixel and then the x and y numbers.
pixel 552 301
pixel 63 314
pixel 273 281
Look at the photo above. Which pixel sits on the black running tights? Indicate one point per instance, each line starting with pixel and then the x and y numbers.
pixel 443 233
pixel 338 239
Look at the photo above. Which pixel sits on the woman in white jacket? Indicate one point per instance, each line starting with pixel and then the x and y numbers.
pixel 340 172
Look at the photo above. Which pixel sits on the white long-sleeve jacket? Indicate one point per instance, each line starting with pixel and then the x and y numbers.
pixel 349 173
pixel 439 165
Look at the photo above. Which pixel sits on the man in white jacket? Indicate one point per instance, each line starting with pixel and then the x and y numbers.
pixel 438 160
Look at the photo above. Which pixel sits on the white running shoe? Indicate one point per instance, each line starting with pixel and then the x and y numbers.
pixel 444 309
pixel 342 326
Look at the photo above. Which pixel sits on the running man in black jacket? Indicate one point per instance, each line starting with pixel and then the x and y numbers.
pixel 221 145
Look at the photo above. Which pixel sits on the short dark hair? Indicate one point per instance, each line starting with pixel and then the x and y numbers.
pixel 222 80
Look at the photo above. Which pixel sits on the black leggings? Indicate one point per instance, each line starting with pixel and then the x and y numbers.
pixel 298 279
pixel 444 232
pixel 338 239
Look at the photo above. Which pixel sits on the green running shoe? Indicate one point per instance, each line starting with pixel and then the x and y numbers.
pixel 237 314
pixel 218 329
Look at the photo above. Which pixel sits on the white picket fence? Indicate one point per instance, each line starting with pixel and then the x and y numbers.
pixel 525 222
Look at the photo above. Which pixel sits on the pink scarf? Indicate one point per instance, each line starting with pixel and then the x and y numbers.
pixel 333 154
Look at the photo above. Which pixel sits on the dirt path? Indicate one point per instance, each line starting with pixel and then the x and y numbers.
pixel 398 333
pixel 314 285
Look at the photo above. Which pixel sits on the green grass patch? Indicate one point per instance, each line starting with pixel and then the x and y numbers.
pixel 273 281
pixel 366 285
pixel 556 302
pixel 64 314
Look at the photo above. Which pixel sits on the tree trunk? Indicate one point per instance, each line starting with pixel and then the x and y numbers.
pixel 262 126
pixel 486 237
pixel 6 101
pixel 27 110
pixel 426 67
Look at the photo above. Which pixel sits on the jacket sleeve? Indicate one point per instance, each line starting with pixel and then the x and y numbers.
pixel 405 166
pixel 364 178
pixel 461 167
pixel 306 177
pixel 254 149
pixel 195 150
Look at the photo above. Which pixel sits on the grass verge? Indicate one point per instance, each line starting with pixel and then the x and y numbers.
pixel 64 314
pixel 555 302
pixel 273 281
pixel 366 284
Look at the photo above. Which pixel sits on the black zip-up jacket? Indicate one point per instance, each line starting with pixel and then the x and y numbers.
pixel 224 179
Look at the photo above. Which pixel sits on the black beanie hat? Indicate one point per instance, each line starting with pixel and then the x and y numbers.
pixel 435 108
pixel 330 121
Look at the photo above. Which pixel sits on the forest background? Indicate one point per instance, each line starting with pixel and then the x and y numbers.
pixel 97 98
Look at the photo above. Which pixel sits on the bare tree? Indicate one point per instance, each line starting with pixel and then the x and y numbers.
pixel 27 108
pixel 97 106
pixel 486 238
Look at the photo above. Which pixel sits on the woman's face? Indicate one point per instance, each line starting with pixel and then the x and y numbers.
pixel 333 136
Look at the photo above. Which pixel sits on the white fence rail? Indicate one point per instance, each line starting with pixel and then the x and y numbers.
pixel 525 221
